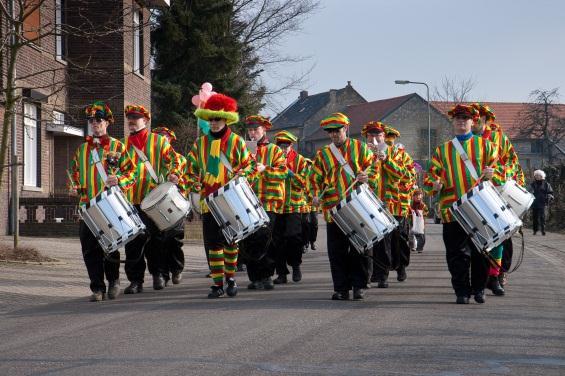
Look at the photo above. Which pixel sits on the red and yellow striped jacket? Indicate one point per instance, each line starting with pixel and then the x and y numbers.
pixel 507 155
pixel 163 160
pixel 447 166
pixel 331 181
pixel 200 159
pixel 84 174
pixel 183 183
pixel 295 184
pixel 269 184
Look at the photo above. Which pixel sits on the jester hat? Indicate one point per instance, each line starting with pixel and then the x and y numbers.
pixel 391 132
pixel 464 110
pixel 135 109
pixel 219 106
pixel 485 111
pixel 99 109
pixel 285 137
pixel 165 131
pixel 335 121
pixel 372 127
pixel 254 121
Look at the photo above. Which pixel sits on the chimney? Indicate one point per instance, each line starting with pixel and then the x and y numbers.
pixel 348 83
pixel 303 94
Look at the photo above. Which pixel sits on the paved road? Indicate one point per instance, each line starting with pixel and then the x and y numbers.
pixel 413 328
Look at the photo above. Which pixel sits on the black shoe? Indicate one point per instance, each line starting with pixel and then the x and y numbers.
pixel 543 233
pixel 232 287
pixel 268 283
pixel 382 284
pixel 257 285
pixel 296 274
pixel 503 279
pixel 280 280
pixel 158 282
pixel 462 300
pixel 241 268
pixel 420 250
pixel 134 288
pixel 216 292
pixel 358 294
pixel 305 248
pixel 313 246
pixel 494 285
pixel 480 296
pixel 97 296
pixel 113 289
pixel 535 232
pixel 176 278
pixel 340 295
pixel 401 277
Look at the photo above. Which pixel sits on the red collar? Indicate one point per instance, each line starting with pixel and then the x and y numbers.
pixel 94 142
pixel 139 139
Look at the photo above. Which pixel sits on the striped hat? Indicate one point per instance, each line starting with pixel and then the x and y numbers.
pixel 135 109
pixel 484 110
pixel 335 121
pixel 372 127
pixel 100 110
pixel 391 132
pixel 285 137
pixel 219 106
pixel 254 121
pixel 165 131
pixel 463 110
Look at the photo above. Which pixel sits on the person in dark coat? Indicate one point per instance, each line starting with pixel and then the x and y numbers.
pixel 543 193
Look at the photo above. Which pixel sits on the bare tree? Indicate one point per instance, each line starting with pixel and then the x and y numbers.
pixel 544 121
pixel 453 90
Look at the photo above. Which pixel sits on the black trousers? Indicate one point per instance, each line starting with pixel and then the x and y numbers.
pixel 382 259
pixel 97 265
pixel 212 233
pixel 312 226
pixel 461 254
pixel 400 248
pixel 287 236
pixel 349 268
pixel 538 219
pixel 150 244
pixel 507 253
pixel 259 251
pixel 172 242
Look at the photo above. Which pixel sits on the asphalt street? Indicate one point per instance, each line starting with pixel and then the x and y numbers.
pixel 47 326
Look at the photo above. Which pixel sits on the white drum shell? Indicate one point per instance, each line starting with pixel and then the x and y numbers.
pixel 519 199
pixel 363 217
pixel 237 210
pixel 112 219
pixel 485 216
pixel 166 206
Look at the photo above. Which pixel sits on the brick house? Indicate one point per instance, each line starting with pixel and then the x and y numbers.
pixel 63 75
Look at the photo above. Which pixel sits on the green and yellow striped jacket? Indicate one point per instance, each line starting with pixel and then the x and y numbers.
pixel 295 185
pixel 507 155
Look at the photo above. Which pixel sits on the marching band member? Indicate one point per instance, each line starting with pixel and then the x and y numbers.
pixel 310 217
pixel 154 157
pixel 449 177
pixel 508 161
pixel 267 181
pixel 288 230
pixel 87 180
pixel 391 172
pixel 173 239
pixel 335 169
pixel 208 162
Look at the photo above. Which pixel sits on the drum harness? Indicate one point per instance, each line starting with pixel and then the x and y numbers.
pixel 473 172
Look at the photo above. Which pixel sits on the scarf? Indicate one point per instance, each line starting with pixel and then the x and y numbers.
pixel 291 159
pixel 214 171
pixel 464 137
pixel 95 141
pixel 139 138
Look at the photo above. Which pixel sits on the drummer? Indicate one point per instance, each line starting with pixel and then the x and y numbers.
pixel 448 177
pixel 330 182
pixel 267 181
pixel 172 240
pixel 507 161
pixel 288 230
pixel 161 161
pixel 208 163
pixel 88 183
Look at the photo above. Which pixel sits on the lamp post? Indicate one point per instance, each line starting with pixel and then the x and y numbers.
pixel 405 82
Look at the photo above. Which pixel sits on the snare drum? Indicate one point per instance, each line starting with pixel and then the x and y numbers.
pixel 517 197
pixel 237 210
pixel 363 218
pixel 112 219
pixel 166 206
pixel 485 216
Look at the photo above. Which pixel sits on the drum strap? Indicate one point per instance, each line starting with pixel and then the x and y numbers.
pixel 147 164
pixel 225 162
pixel 465 158
pixel 98 164
pixel 341 160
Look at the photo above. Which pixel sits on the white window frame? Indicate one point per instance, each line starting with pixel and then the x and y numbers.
pixel 59 53
pixel 58 118
pixel 30 144
pixel 137 42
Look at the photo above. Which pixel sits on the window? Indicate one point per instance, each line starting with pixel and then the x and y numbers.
pixel 537 146
pixel 138 41
pixel 31 145
pixel 60 40
pixel 32 20
pixel 58 118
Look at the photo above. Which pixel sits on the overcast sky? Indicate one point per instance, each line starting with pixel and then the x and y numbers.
pixel 508 47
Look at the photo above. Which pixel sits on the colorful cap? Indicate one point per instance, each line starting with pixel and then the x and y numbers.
pixel 391 132
pixel 101 110
pixel 219 106
pixel 484 110
pixel 137 109
pixel 464 110
pixel 254 121
pixel 372 127
pixel 335 121
pixel 285 137
pixel 165 131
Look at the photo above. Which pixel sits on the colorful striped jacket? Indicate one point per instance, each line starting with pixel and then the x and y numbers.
pixel 200 159
pixel 331 181
pixel 507 155
pixel 269 185
pixel 406 185
pixel 183 183
pixel 163 160
pixel 295 184
pixel 84 174
pixel 447 166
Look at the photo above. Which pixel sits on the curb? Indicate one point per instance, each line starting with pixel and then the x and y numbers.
pixel 46 263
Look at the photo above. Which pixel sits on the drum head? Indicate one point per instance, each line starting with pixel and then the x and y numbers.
pixel 156 195
pixel 195 200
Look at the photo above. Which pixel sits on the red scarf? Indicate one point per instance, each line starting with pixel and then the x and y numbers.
pixel 139 139
pixel 291 159
pixel 94 142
